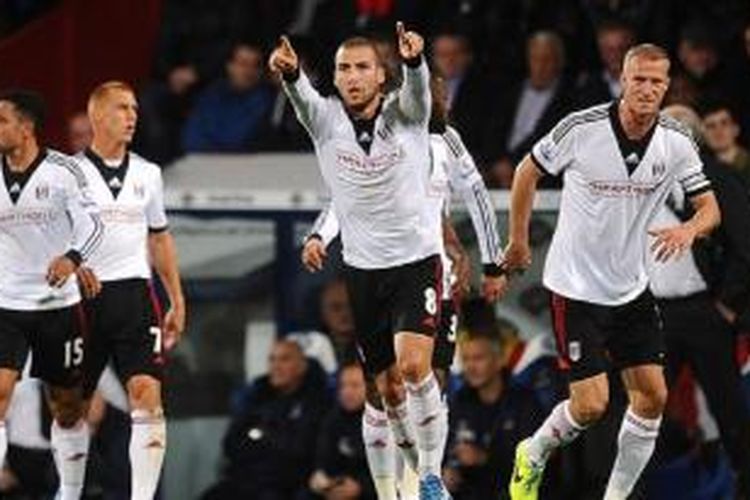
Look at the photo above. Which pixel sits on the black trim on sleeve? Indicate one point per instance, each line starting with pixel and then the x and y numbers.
pixel 313 236
pixel 538 164
pixel 75 257
pixel 292 76
pixel 155 230
pixel 414 62
pixel 700 191
pixel 493 270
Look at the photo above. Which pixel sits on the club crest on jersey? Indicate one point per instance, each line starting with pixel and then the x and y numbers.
pixel 658 169
pixel 574 351
pixel 139 191
pixel 42 192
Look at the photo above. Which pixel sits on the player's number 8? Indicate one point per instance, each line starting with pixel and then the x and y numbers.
pixel 430 301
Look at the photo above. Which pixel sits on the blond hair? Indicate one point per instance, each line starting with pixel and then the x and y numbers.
pixel 103 90
pixel 647 51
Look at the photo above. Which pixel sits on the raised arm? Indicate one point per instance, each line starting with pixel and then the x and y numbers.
pixel 308 104
pixel 414 95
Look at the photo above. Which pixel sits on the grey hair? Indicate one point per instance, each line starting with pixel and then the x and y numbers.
pixel 689 118
pixel 551 38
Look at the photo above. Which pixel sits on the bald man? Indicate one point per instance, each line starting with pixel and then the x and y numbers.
pixel 129 328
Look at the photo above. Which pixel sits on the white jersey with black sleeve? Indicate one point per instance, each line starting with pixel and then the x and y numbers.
pixel 611 194
pixel 131 200
pixel 452 170
pixel 379 195
pixel 45 212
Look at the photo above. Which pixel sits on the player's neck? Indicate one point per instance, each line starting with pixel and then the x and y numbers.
pixel 490 392
pixel 369 111
pixel 22 157
pixel 109 150
pixel 635 125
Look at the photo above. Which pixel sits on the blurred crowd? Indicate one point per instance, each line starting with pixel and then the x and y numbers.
pixel 295 432
pixel 512 68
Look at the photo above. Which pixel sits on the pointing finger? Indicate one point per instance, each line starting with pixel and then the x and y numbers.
pixel 400 30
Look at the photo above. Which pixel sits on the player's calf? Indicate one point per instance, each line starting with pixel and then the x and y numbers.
pixel 69 438
pixel 148 438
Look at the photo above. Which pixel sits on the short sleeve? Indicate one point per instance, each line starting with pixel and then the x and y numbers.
pixel 554 152
pixel 156 215
pixel 689 166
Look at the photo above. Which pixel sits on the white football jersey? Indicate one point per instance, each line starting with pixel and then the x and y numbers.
pixel 609 199
pixel 131 201
pixel 44 213
pixel 379 195
pixel 452 170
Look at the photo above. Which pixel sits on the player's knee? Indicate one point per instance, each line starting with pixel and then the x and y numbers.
pixel 67 406
pixel 588 410
pixel 144 392
pixel 649 403
pixel 394 393
pixel 414 366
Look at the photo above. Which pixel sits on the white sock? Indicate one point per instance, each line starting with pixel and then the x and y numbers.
pixel 148 441
pixel 403 433
pixel 3 442
pixel 426 409
pixel 381 451
pixel 443 423
pixel 635 444
pixel 70 448
pixel 558 430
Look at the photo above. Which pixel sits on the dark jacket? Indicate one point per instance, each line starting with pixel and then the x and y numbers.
pixel 496 428
pixel 724 258
pixel 341 451
pixel 271 440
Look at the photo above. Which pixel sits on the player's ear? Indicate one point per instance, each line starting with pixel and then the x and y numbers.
pixel 381 75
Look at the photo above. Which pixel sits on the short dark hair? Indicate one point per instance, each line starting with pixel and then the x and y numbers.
pixel 711 106
pixel 362 41
pixel 28 104
pixel 615 24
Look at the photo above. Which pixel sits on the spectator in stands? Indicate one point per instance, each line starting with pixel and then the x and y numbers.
pixel 337 321
pixel 722 133
pixel 740 78
pixel 613 39
pixel 333 346
pixel 530 107
pixel 270 444
pixel 341 466
pixel 699 59
pixel 163 108
pixel 199 34
pixel 467 93
pixel 79 132
pixel 700 297
pixel 229 116
pixel 488 417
